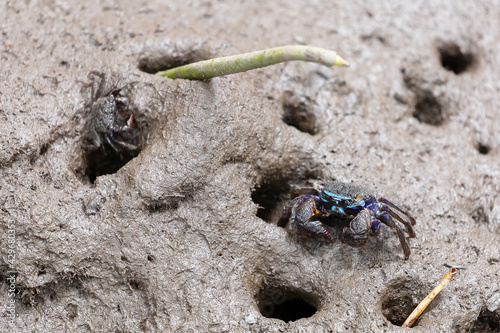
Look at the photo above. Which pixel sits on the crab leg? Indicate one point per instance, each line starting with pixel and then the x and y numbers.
pixel 127 145
pixel 296 192
pixel 399 209
pixel 386 219
pixel 409 229
pixel 287 212
pixel 407 219
pixel 108 140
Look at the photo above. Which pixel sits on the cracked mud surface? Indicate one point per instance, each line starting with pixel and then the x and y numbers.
pixel 183 237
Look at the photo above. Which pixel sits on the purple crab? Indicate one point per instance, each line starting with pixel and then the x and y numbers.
pixel 364 211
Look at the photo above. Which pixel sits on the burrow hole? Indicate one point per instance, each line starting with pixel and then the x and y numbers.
pixel 480 215
pixel 136 284
pixel 298 111
pixel 72 311
pixel 454 59
pixel 113 133
pixel 487 321
pixel 272 195
pixel 286 304
pixel 172 55
pixel 483 149
pixel 428 110
pixel 401 297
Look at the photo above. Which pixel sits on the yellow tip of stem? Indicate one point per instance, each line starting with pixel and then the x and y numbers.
pixel 339 61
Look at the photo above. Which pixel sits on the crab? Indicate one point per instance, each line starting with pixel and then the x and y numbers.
pixel 364 211
pixel 107 125
pixel 110 134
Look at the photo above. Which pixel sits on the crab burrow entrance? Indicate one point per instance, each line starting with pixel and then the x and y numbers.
pixel 487 321
pixel 454 59
pixel 286 304
pixel 400 298
pixel 272 195
pixel 113 133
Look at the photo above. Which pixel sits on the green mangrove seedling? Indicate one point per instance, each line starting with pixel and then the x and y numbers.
pixel 208 69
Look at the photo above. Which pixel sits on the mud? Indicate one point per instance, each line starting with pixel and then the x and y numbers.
pixel 183 237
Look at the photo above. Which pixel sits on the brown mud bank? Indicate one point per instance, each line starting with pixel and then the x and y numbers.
pixel 176 230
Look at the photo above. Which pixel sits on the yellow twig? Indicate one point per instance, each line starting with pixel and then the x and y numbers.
pixel 421 307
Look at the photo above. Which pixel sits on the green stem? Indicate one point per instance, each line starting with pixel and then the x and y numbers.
pixel 208 69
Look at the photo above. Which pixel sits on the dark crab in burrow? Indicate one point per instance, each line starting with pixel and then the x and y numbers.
pixel 364 211
pixel 111 137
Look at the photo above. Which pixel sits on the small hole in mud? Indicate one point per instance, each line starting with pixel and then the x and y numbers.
pixel 151 258
pixel 298 112
pixel 285 304
pixel 487 321
pixel 112 135
pixel 400 299
pixel 158 65
pixel 44 148
pixel 428 109
pixel 479 215
pixel 271 196
pixel 453 59
pixel 483 149
pixel 72 311
pixel 135 284
pixel 172 56
pixel 300 117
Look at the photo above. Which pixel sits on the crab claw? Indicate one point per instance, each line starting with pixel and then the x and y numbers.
pixel 358 232
pixel 314 230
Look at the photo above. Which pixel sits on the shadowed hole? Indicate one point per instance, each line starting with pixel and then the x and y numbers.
pixel 285 304
pixel 479 215
pixel 72 311
pixel 136 285
pixel 453 59
pixel 271 196
pixel 42 271
pixel 44 148
pixel 153 66
pixel 300 117
pixel 486 322
pixel 113 134
pixel 400 299
pixel 428 109
pixel 171 56
pixel 299 113
pixel 483 149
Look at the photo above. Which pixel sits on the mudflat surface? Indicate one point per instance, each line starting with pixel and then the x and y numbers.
pixel 182 235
